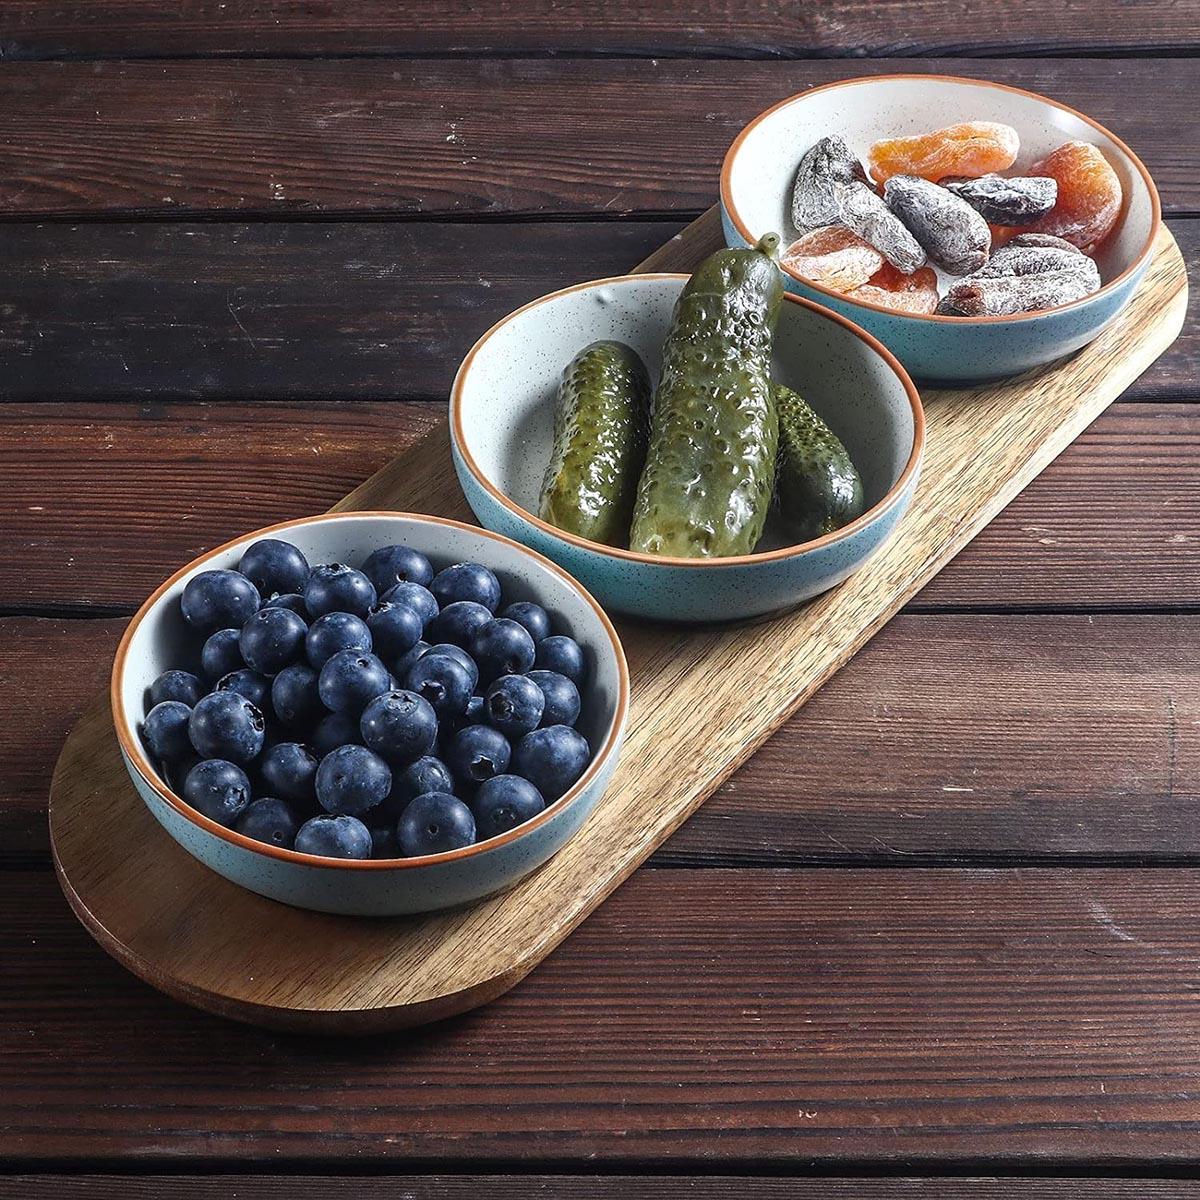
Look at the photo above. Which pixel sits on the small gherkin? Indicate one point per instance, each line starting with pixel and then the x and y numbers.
pixel 600 429
pixel 818 488
pixel 710 468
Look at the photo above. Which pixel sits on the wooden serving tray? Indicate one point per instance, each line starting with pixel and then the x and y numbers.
pixel 703 700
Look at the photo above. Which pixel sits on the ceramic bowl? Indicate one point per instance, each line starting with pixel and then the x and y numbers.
pixel 157 639
pixel 756 187
pixel 501 422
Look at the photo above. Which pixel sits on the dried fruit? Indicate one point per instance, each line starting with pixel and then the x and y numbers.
pixel 1089 195
pixel 1015 201
pixel 972 148
pixel 950 231
pixel 827 166
pixel 833 256
pixel 1023 278
pixel 915 293
pixel 866 213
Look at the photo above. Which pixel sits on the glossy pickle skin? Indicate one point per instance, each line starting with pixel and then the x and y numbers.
pixel 818 488
pixel 710 469
pixel 600 432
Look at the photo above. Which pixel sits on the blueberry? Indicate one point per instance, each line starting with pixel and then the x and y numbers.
pixel 442 681
pixel 395 629
pixel 295 696
pixel 561 654
pixel 218 600
pixel 434 823
pixel 466 581
pixel 427 774
pixel 450 650
pixel 165 732
pixel 226 725
pixel 333 632
pixel 400 725
pixel 334 837
pixel 176 773
pixel 552 759
pixel 514 705
pixel 290 771
pixel 351 679
pixel 274 567
pixel 176 685
pixel 403 664
pixel 335 587
pixel 334 730
pixel 478 752
pixel 289 600
pixel 504 802
pixel 562 697
pixel 273 638
pixel 501 647
pixel 352 780
pixel 269 820
pixel 474 714
pixel 255 687
pixel 220 654
pixel 458 622
pixel 397 564
pixel 384 843
pixel 532 616
pixel 218 789
pixel 420 599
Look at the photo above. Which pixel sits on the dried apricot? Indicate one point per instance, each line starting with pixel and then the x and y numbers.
pixel 826 167
pixel 971 148
pixel 864 211
pixel 1089 195
pixel 915 293
pixel 833 256
pixel 1023 278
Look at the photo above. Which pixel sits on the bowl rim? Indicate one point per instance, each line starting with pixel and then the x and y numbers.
pixel 134 753
pixel 1139 262
pixel 889 499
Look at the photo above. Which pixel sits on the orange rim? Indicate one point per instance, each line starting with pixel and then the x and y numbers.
pixel 858 81
pixel 891 497
pixel 133 750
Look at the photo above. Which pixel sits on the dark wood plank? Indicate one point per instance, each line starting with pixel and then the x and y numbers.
pixel 976 738
pixel 141 28
pixel 756 1020
pixel 578 1187
pixel 503 137
pixel 306 310
pixel 1114 522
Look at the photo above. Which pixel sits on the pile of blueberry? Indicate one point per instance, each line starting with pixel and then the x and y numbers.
pixel 372 713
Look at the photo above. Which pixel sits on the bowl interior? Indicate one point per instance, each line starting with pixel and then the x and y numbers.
pixel 161 639
pixel 763 167
pixel 505 394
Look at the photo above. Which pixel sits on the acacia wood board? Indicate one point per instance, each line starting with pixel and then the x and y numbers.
pixel 702 701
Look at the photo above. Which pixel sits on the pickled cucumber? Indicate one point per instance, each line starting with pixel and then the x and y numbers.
pixel 600 431
pixel 818 488
pixel 710 467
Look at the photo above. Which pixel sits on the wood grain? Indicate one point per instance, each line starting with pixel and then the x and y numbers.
pixel 1113 523
pixel 145 28
pixel 579 1187
pixel 230 311
pixel 507 136
pixel 738 1021
pixel 976 739
pixel 702 702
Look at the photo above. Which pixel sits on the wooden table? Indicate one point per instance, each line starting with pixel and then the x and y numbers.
pixel 944 927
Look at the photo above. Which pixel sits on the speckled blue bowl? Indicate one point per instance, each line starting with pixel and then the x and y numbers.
pixel 756 186
pixel 501 423
pixel 157 639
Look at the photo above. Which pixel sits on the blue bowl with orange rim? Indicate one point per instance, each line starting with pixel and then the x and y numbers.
pixel 501 424
pixel 760 167
pixel 157 639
